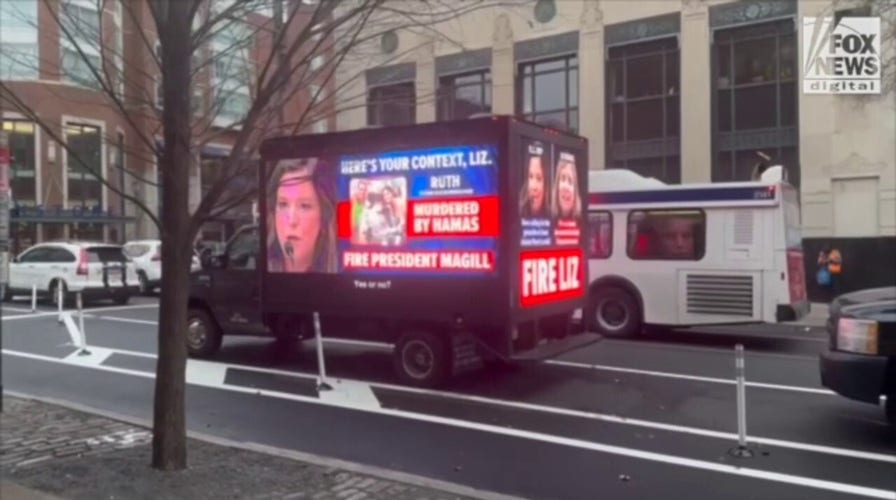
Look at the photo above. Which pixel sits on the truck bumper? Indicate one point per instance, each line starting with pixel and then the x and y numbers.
pixel 854 376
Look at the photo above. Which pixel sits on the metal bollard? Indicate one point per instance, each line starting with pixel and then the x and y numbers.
pixel 33 298
pixel 741 451
pixel 83 351
pixel 322 384
pixel 59 301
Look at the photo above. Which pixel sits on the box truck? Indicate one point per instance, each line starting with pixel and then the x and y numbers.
pixel 457 242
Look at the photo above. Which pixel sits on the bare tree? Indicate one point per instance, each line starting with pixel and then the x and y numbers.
pixel 185 41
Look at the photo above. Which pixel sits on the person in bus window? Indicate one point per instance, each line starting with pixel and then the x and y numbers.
pixel 676 237
pixel 302 222
pixel 533 196
pixel 566 200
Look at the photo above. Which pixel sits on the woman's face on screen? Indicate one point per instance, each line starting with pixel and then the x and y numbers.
pixel 298 218
pixel 536 184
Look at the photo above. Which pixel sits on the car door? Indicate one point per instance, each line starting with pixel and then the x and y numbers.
pixel 235 288
pixel 21 271
pixel 24 273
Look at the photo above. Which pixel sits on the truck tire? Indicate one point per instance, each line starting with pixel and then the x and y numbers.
pixel 614 312
pixel 203 336
pixel 422 359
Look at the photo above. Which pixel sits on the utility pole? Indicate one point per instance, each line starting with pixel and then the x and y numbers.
pixel 4 218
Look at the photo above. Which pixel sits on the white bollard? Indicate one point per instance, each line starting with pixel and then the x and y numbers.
pixel 84 351
pixel 33 298
pixel 59 301
pixel 741 450
pixel 322 384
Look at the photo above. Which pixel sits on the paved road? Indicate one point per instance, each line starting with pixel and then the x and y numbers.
pixel 654 417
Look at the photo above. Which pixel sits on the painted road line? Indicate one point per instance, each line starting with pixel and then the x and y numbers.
pixel 680 376
pixel 72 329
pixel 30 315
pixel 123 320
pixel 16 309
pixel 808 482
pixel 616 419
pixel 350 393
pixel 91 358
pixel 634 371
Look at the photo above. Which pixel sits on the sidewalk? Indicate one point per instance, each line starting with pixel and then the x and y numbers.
pixel 49 452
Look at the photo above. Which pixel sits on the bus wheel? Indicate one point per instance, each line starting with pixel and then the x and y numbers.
pixel 614 312
pixel 422 359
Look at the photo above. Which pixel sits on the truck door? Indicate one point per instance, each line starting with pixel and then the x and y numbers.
pixel 235 292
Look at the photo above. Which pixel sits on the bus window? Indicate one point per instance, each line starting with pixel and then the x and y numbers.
pixel 666 235
pixel 600 235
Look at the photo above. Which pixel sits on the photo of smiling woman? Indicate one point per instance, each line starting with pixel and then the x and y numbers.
pixel 534 191
pixel 566 201
pixel 301 201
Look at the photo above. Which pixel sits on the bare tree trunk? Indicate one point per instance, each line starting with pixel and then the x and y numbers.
pixel 169 451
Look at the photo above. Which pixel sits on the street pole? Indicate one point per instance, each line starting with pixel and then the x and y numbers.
pixel 4 222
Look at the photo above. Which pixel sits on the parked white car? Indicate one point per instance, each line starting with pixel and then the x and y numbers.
pixel 97 270
pixel 147 258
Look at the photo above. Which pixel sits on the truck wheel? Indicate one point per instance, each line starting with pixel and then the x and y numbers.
pixel 614 312
pixel 422 359
pixel 203 335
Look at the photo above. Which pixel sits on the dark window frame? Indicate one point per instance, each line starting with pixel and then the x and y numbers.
pixel 446 101
pixel 668 48
pixel 375 103
pixel 700 252
pixel 85 175
pixel 528 70
pixel 774 139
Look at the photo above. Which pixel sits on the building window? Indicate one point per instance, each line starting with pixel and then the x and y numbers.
pixel 461 96
pixel 84 165
pixel 18 39
pixel 755 90
pixel 600 235
pixel 666 235
pixel 233 72
pixel 79 43
pixel 643 99
pixel 548 92
pixel 22 168
pixel 391 105
pixel 320 126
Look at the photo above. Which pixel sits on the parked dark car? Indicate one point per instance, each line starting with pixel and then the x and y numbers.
pixel 860 362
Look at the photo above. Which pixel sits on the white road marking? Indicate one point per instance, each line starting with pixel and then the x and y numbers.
pixel 30 315
pixel 635 371
pixel 206 373
pixel 350 393
pixel 16 309
pixel 534 436
pixel 92 357
pixel 695 378
pixel 124 320
pixel 361 398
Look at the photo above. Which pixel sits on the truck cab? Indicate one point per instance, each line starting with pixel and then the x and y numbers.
pixel 224 295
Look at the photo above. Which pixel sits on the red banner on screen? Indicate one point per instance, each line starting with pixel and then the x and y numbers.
pixel 796 276
pixel 551 276
pixel 453 217
pixel 467 260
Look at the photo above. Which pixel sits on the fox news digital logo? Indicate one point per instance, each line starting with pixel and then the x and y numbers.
pixel 842 58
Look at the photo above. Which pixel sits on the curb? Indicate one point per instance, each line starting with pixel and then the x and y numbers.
pixel 321 460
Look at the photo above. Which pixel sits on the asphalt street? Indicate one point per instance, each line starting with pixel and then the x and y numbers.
pixel 652 417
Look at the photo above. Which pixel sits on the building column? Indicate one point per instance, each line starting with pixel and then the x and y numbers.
pixel 592 102
pixel 503 70
pixel 696 92
pixel 425 83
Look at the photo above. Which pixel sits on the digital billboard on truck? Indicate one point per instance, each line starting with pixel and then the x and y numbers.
pixel 552 218
pixel 413 212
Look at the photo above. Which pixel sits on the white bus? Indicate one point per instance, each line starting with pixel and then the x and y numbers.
pixel 692 254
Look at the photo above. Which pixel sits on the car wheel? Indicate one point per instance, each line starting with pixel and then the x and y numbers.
pixel 143 283
pixel 614 312
pixel 203 335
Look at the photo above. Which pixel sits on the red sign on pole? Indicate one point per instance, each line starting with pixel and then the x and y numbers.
pixel 4 168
